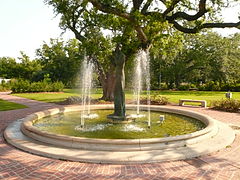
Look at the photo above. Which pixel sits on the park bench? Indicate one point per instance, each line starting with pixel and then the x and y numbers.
pixel 203 102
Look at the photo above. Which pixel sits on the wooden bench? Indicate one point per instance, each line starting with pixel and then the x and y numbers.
pixel 203 102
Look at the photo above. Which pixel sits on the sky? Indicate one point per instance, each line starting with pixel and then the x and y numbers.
pixel 26 24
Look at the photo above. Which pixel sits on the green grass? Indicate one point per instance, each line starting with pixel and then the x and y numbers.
pixel 209 96
pixel 6 105
pixel 173 96
pixel 55 97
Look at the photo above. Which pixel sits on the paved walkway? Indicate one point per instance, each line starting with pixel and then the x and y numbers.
pixel 16 164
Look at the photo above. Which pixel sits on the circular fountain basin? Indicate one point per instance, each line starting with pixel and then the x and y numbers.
pixel 102 128
pixel 119 150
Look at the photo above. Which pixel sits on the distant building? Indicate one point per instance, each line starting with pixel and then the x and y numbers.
pixel 2 79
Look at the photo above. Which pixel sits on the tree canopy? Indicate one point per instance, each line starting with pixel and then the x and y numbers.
pixel 135 24
pixel 148 19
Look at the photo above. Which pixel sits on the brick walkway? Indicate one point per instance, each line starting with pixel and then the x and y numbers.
pixel 16 164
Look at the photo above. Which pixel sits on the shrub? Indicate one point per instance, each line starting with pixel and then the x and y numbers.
pixel 57 86
pixel 22 86
pixel 5 86
pixel 155 100
pixel 229 105
pixel 231 87
pixel 78 100
pixel 164 86
pixel 184 87
pixel 210 86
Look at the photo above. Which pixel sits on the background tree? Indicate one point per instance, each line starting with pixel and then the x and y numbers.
pixel 8 67
pixel 27 68
pixel 61 60
pixel 23 68
pixel 201 58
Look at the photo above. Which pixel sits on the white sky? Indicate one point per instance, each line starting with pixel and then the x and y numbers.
pixel 25 24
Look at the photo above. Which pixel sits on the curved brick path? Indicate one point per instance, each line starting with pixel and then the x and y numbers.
pixel 16 164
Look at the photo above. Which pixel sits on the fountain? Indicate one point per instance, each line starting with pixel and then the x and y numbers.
pixel 134 148
pixel 142 75
pixel 86 86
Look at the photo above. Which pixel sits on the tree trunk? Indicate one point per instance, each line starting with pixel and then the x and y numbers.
pixel 108 86
pixel 107 80
pixel 177 81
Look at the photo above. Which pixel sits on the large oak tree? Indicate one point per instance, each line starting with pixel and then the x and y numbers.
pixel 137 24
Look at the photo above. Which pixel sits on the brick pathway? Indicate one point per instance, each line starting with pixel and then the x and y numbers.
pixel 16 164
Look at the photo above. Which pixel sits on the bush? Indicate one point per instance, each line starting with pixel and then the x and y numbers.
pixel 57 86
pixel 23 86
pixel 156 100
pixel 3 89
pixel 164 86
pixel 210 86
pixel 184 87
pixel 78 100
pixel 229 105
pixel 231 87
pixel 5 86
pixel 20 86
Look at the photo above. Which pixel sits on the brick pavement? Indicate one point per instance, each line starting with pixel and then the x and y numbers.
pixel 16 164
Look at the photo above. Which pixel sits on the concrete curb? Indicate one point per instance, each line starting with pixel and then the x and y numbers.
pixel 217 137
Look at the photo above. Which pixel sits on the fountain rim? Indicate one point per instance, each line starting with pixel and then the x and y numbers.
pixel 29 130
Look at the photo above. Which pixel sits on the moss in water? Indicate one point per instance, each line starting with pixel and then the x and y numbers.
pixel 101 127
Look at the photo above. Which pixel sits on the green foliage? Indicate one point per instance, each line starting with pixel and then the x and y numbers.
pixel 197 58
pixel 231 87
pixel 210 86
pixel 8 67
pixel 23 86
pixel 20 86
pixel 156 99
pixel 229 105
pixel 5 86
pixel 184 87
pixel 25 68
pixel 60 61
pixel 216 86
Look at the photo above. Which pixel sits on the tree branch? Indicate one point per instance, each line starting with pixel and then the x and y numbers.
pixel 203 26
pixel 108 9
pixel 146 6
pixel 171 7
pixel 137 4
pixel 183 15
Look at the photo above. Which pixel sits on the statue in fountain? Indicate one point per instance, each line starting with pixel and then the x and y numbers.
pixel 119 95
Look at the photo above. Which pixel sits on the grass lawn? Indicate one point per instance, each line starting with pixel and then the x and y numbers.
pixel 55 97
pixel 173 96
pixel 209 96
pixel 6 105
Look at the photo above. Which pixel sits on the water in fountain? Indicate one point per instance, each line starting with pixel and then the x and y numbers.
pixel 142 75
pixel 86 86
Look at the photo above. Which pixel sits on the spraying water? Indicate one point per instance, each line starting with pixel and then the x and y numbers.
pixel 142 75
pixel 86 86
pixel 138 81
